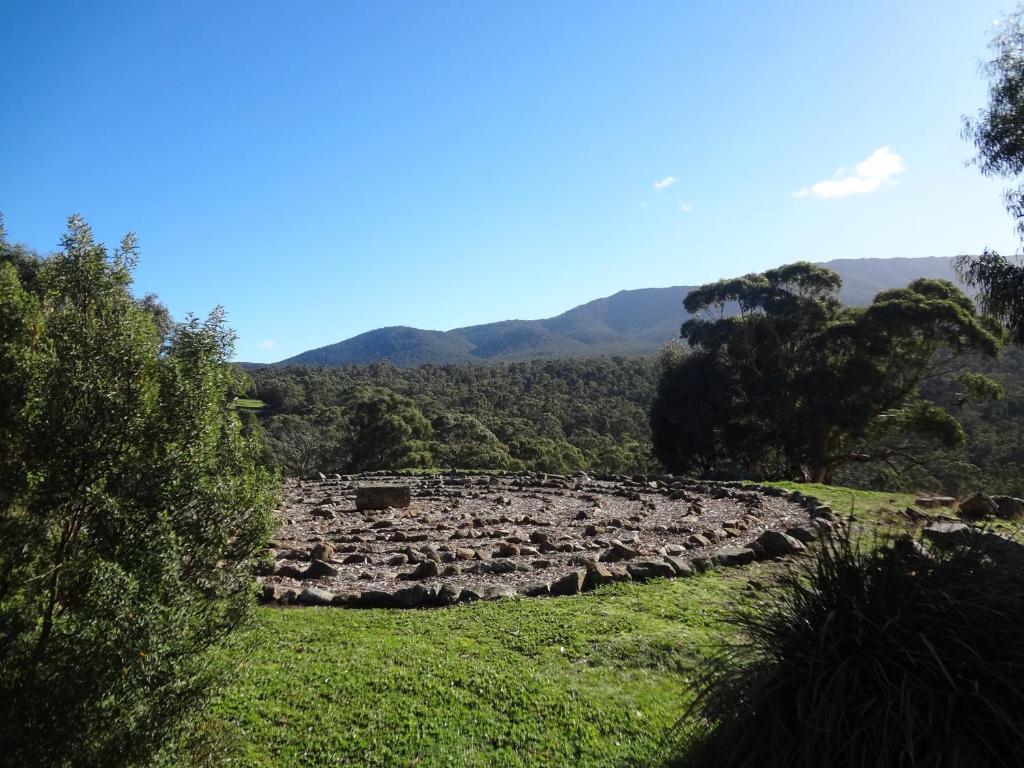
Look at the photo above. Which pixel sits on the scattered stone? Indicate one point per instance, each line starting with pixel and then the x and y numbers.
pixel 356 559
pixel 383 496
pixel 315 596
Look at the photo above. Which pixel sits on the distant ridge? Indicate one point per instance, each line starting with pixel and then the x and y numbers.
pixel 628 323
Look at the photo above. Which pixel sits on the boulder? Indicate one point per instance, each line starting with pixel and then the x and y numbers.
pixel 644 570
pixel 619 552
pixel 374 598
pixel 318 569
pixel 416 596
pixel 383 496
pixel 728 556
pixel 315 596
pixel 978 505
pixel 428 569
pixel 449 594
pixel 597 574
pixel 803 534
pixel 322 550
pixel 499 592
pixel 682 567
pixel 947 534
pixel 570 584
pixel 778 544
pixel 537 589
pixel 1009 507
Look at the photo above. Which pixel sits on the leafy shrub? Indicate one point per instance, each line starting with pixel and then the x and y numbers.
pixel 871 656
pixel 132 510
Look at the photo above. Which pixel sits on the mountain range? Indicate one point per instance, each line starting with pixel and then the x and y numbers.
pixel 629 323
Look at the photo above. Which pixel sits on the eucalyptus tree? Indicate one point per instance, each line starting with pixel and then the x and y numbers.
pixel 779 379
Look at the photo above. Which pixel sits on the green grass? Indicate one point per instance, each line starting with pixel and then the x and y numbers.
pixel 592 680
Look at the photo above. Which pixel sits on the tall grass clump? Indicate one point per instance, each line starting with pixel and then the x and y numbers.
pixel 876 654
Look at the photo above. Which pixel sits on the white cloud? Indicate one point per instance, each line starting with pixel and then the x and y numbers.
pixel 686 207
pixel 665 183
pixel 267 344
pixel 880 167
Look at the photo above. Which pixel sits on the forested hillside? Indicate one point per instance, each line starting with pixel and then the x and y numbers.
pixel 563 415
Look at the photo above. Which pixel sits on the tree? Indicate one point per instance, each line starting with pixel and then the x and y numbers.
pixel 796 385
pixel 463 442
pixel 388 431
pixel 132 511
pixel 997 132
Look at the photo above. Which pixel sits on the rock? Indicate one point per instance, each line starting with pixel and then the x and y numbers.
pixel 540 565
pixel 322 551
pixel 696 541
pixel 463 553
pixel 469 594
pixel 356 559
pixel 597 574
pixel 702 564
pixel 979 505
pixel 728 556
pixel 1009 507
pixel 416 596
pixel 803 534
pixel 499 592
pixel 644 570
pixel 682 567
pixel 428 569
pixel 449 594
pixel 778 544
pixel 537 589
pixel 383 496
pixel 399 559
pixel 570 584
pixel 824 513
pixel 288 571
pixel 947 534
pixel 374 598
pixel 318 569
pixel 315 596
pixel 619 552
pixel 271 593
pixel 498 566
pixel 506 550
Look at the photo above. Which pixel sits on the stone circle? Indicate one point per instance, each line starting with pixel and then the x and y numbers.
pixel 458 537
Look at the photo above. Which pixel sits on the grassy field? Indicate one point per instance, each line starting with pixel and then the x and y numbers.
pixel 592 680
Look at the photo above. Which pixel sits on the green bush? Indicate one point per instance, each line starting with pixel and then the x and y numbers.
pixel 872 656
pixel 132 510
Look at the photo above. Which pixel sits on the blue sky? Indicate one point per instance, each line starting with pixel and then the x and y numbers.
pixel 325 168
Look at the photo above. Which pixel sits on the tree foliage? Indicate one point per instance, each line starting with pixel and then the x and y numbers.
pixel 997 132
pixel 794 384
pixel 132 509
pixel 551 416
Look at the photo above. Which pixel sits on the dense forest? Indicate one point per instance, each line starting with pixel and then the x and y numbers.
pixel 564 415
